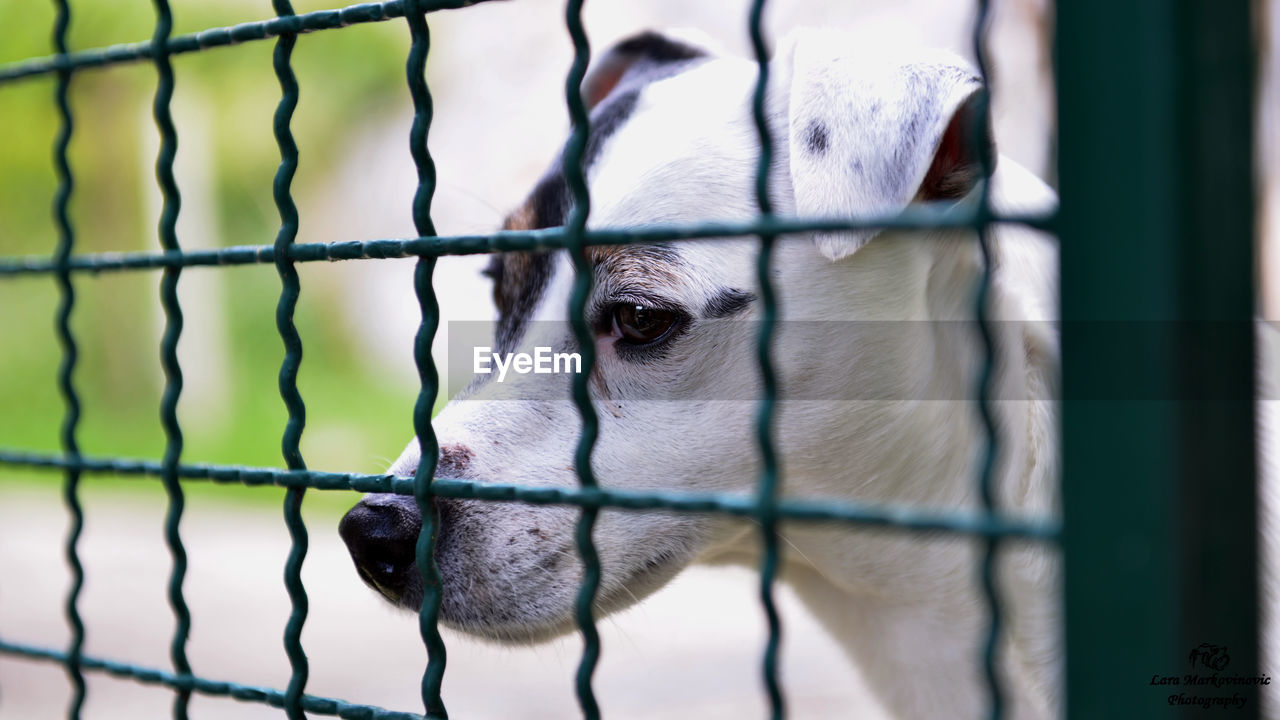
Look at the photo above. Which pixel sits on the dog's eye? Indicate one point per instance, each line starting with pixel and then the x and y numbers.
pixel 642 325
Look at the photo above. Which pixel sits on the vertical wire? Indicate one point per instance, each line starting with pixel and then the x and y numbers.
pixel 288 380
pixel 767 505
pixel 986 481
pixel 66 239
pixel 169 350
pixel 429 616
pixel 582 281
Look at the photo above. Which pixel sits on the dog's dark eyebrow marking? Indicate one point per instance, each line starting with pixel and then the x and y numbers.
pixel 519 278
pixel 548 204
pixel 605 121
pixel 524 279
pixel 729 301
pixel 815 137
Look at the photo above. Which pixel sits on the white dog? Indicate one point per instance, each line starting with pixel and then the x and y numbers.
pixel 877 358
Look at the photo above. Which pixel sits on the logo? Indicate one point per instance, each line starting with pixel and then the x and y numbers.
pixel 541 362
pixel 1211 657
pixel 1207 686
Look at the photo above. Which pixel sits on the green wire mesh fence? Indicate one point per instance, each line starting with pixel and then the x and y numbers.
pixel 768 507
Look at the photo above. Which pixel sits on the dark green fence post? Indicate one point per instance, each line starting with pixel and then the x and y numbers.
pixel 1157 241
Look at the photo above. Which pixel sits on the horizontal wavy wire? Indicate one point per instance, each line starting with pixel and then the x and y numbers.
pixel 907 518
pixel 509 240
pixel 204 686
pixel 223 36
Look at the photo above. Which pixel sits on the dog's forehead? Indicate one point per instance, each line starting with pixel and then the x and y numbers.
pixel 686 152
pixel 639 134
pixel 680 108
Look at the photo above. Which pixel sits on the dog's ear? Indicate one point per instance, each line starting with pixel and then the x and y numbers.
pixel 641 59
pixel 871 132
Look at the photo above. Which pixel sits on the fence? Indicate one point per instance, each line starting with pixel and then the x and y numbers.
pixel 1143 581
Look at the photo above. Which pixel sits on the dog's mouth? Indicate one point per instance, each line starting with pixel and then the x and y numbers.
pixel 534 609
pixel 383 582
pixel 488 589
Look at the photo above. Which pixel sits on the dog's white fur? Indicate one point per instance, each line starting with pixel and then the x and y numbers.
pixel 907 609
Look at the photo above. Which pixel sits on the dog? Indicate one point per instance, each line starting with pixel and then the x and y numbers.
pixel 878 359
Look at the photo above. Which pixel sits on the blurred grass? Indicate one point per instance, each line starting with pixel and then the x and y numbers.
pixel 357 418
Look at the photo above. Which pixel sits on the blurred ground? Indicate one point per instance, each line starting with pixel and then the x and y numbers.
pixel 691 651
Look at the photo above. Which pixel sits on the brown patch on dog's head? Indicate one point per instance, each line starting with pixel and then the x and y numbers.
pixel 522 218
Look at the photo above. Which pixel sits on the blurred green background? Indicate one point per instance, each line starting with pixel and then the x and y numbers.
pixel 357 417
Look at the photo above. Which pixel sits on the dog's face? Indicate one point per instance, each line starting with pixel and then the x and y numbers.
pixel 675 377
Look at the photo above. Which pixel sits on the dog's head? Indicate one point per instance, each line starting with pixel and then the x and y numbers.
pixel 673 141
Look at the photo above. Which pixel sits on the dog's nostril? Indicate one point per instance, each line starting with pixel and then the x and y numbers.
pixel 381 539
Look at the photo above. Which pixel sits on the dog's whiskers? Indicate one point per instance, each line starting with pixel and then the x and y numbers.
pixel 620 586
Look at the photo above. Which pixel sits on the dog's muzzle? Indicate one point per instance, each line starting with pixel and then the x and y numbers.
pixel 381 533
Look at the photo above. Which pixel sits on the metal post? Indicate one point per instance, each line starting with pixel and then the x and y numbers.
pixel 1155 117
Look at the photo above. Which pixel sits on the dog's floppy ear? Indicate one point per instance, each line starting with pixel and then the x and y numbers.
pixel 641 59
pixel 871 132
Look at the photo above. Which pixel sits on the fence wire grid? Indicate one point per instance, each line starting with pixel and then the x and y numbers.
pixel 768 508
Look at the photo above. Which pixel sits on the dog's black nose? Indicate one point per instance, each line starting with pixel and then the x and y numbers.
pixel 381 533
